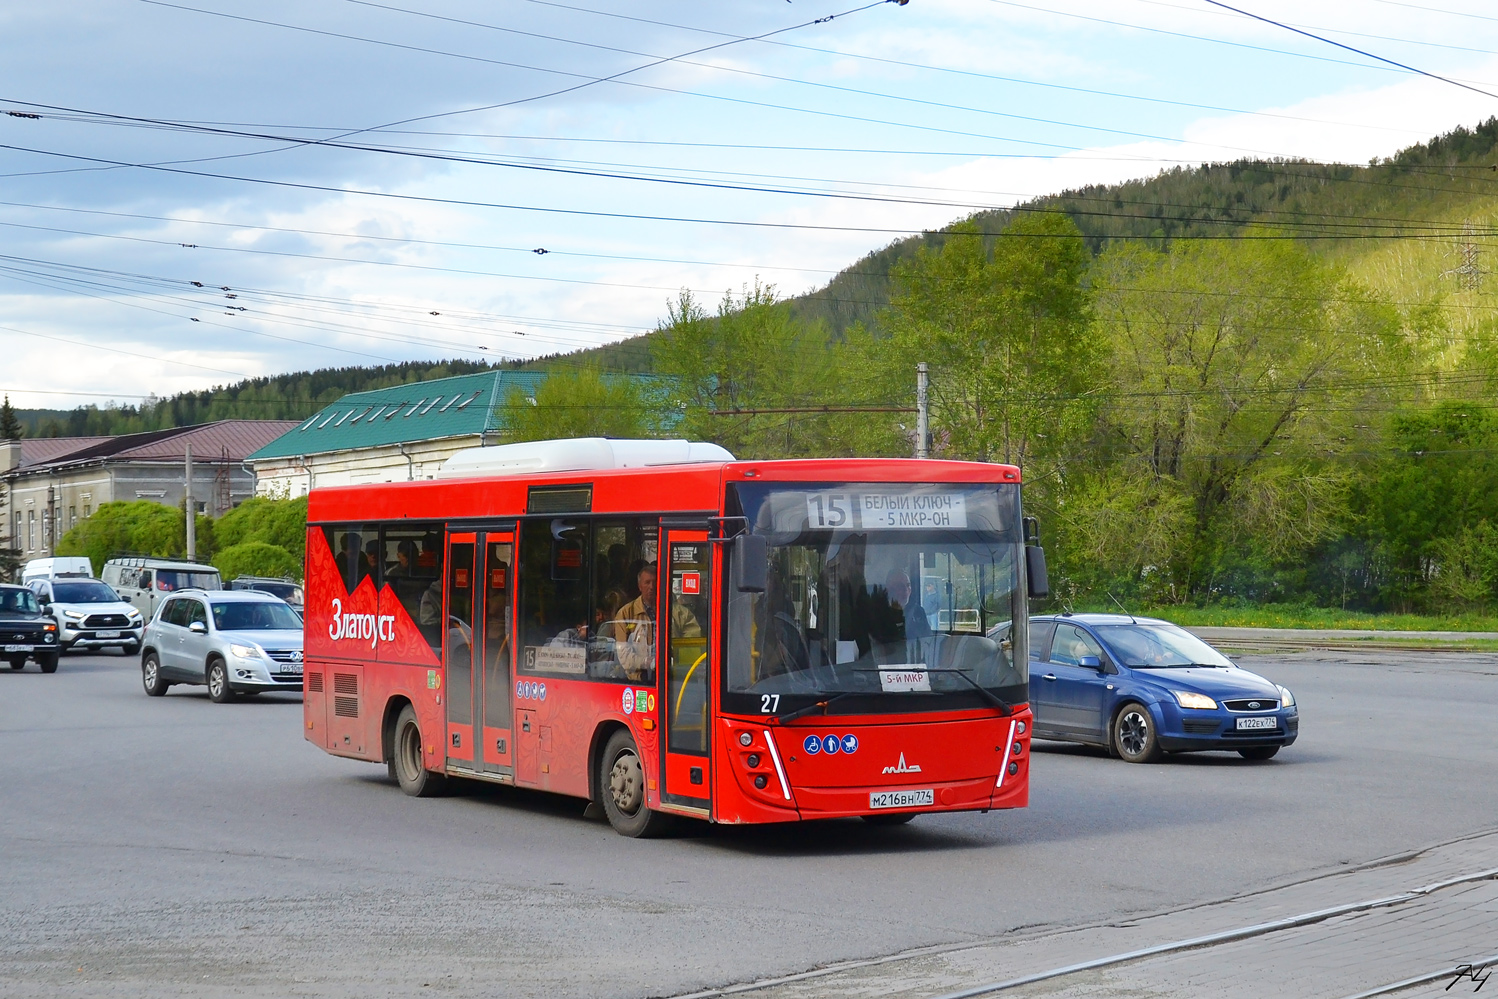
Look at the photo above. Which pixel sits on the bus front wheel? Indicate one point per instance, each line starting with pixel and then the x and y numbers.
pixel 621 785
pixel 406 759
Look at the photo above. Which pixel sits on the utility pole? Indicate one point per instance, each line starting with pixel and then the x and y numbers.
pixel 922 414
pixel 188 509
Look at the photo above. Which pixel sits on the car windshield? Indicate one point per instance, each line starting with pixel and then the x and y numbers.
pixel 90 592
pixel 1159 646
pixel 181 579
pixel 255 615
pixel 879 590
pixel 18 602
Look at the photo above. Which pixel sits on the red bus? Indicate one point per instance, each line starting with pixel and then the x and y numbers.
pixel 665 631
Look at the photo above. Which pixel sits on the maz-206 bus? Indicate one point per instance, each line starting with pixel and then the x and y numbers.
pixel 666 631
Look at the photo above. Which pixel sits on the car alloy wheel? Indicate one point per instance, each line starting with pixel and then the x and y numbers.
pixel 1134 734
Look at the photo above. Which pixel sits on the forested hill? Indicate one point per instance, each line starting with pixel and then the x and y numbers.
pixel 1339 210
pixel 278 397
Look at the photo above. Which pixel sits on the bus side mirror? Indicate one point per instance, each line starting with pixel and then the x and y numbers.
pixel 1040 582
pixel 751 563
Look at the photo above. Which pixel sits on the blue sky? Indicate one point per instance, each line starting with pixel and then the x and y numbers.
pixel 878 122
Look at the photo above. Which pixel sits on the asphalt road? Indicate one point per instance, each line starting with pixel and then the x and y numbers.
pixel 175 847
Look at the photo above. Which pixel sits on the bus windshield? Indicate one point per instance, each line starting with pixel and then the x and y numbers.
pixel 895 596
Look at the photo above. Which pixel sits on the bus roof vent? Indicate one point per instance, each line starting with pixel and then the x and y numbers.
pixel 577 454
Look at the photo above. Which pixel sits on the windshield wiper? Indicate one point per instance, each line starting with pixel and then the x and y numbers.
pixel 1004 707
pixel 799 712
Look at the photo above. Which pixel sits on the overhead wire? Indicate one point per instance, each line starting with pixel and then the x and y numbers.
pixel 1198 38
pixel 972 74
pixel 1362 52
pixel 1335 230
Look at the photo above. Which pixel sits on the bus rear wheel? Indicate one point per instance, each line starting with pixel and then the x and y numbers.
pixel 621 785
pixel 406 758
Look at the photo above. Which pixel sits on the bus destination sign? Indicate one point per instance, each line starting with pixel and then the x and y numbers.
pixel 886 510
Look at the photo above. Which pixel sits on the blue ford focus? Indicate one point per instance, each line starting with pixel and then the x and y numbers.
pixel 1143 688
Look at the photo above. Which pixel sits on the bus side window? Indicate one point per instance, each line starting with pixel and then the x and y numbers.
pixel 411 562
pixel 355 552
pixel 554 622
pixel 623 640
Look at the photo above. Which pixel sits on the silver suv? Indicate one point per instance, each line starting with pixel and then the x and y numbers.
pixel 235 641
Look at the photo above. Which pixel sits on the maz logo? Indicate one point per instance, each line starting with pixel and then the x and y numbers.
pixel 903 767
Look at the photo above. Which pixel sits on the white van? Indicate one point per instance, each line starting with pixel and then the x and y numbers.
pixel 57 567
pixel 145 583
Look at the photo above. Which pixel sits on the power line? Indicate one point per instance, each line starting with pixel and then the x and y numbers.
pixel 1198 38
pixel 972 74
pixel 779 79
pixel 1349 48
pixel 1334 230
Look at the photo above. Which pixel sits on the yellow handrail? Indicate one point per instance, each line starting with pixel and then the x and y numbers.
pixel 676 714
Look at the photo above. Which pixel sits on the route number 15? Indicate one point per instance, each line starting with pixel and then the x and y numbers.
pixel 829 510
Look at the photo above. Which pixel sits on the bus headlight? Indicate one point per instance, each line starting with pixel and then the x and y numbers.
pixel 1187 699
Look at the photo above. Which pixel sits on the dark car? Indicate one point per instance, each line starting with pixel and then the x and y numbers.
pixel 25 632
pixel 1142 687
pixel 284 588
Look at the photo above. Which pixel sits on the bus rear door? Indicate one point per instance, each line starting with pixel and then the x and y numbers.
pixel 477 650
pixel 457 648
pixel 497 670
pixel 688 664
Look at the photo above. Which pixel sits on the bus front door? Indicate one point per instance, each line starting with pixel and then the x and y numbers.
pixel 458 635
pixel 685 680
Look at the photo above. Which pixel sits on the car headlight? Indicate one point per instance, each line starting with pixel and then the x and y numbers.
pixel 1187 699
pixel 73 615
pixel 245 651
pixel 1287 699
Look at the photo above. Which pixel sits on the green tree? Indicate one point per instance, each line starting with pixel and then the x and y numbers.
pixel 10 426
pixel 1008 334
pixel 256 558
pixel 764 384
pixel 139 527
pixel 282 523
pixel 1238 369
pixel 579 402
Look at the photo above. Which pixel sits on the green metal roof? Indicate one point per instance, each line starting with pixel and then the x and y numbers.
pixel 419 411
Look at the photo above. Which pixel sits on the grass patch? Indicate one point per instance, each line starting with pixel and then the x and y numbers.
pixel 1321 618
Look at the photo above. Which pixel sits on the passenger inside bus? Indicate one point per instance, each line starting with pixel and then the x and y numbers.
pixel 405 555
